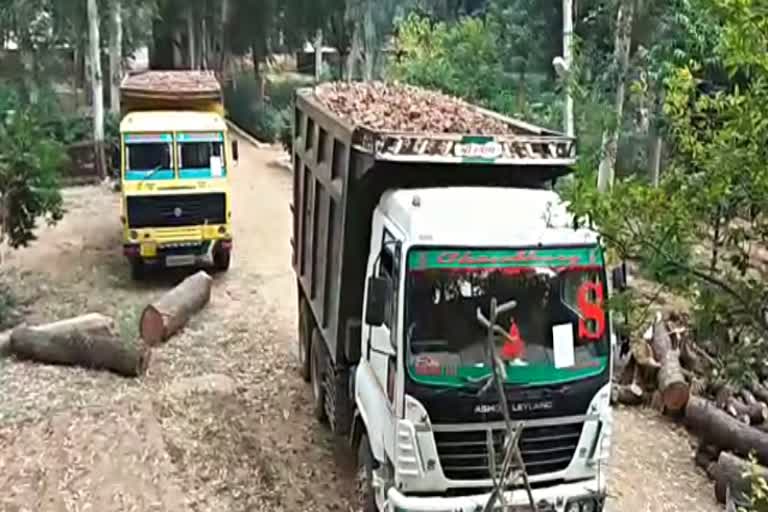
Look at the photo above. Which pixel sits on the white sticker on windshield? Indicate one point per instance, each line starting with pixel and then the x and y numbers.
pixel 216 166
pixel 562 339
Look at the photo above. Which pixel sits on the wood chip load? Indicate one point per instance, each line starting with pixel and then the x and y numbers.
pixel 163 318
pixel 404 108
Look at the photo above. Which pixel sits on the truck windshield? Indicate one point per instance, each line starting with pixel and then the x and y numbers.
pixel 556 332
pixel 201 155
pixel 148 157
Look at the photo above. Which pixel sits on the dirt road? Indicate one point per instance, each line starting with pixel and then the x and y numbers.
pixel 221 422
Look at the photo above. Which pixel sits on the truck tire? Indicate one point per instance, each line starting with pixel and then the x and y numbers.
pixel 305 330
pixel 366 495
pixel 221 260
pixel 317 369
pixel 138 269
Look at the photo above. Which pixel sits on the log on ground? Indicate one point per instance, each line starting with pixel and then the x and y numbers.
pixel 754 413
pixel 163 318
pixel 90 324
pixel 714 426
pixel 671 381
pixel 626 394
pixel 729 473
pixel 74 348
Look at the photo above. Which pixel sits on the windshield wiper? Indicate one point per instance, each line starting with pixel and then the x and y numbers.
pixel 151 173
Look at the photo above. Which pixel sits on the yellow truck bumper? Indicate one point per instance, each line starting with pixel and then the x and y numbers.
pixel 184 244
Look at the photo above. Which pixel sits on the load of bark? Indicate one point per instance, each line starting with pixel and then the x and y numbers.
pixel 395 107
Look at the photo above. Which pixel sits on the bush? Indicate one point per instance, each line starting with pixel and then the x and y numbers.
pixel 270 120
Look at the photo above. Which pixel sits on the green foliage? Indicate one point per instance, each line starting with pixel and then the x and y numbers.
pixel 468 59
pixel 758 494
pixel 30 163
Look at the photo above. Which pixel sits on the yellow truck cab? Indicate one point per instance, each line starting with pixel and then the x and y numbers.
pixel 175 165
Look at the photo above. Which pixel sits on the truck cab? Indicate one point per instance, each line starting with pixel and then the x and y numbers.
pixel 437 257
pixel 175 164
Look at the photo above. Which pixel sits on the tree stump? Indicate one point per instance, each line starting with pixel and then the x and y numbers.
pixel 163 318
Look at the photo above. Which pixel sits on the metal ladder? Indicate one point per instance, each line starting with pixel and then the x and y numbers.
pixel 513 467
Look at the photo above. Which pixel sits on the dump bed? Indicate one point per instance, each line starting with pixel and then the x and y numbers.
pixel 342 164
pixel 171 90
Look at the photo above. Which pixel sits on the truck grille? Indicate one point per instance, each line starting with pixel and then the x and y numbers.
pixel 545 449
pixel 176 210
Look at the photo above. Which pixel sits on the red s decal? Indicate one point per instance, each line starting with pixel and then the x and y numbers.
pixel 590 301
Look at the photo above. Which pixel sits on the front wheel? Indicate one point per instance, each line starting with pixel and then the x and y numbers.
pixel 221 259
pixel 366 495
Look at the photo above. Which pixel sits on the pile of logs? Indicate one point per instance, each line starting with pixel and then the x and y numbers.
pixel 91 340
pixel 667 370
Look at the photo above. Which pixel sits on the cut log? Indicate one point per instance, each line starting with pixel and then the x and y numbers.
pixel 715 426
pixel 630 394
pixel 163 318
pixel 76 348
pixel 750 414
pixel 706 458
pixel 747 396
pixel 5 343
pixel 671 381
pixel 729 473
pixel 760 392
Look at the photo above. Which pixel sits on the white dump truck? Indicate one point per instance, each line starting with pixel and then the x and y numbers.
pixel 398 251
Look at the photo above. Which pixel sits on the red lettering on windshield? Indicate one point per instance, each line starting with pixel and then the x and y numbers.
pixel 467 258
pixel 590 302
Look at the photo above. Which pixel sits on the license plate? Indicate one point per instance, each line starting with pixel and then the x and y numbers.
pixel 148 250
pixel 180 260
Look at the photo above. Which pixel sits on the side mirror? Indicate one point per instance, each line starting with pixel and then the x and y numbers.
pixel 375 308
pixel 620 277
pixel 235 151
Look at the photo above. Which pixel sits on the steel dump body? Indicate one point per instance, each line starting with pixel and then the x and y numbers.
pixel 340 172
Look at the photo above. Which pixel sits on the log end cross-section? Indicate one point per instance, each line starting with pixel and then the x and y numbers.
pixel 166 316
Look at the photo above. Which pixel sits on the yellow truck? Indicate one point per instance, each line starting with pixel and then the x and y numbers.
pixel 175 162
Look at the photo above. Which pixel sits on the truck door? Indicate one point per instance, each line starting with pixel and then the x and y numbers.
pixel 379 395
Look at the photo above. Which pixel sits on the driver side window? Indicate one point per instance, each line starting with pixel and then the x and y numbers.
pixel 389 270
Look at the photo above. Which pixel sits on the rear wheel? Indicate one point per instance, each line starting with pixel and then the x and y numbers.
pixel 365 492
pixel 305 329
pixel 316 369
pixel 138 269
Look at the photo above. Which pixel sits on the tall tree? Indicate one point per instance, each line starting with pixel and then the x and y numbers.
pixel 97 85
pixel 611 134
pixel 115 54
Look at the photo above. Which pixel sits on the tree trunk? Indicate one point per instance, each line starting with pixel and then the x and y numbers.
pixel 318 55
pixel 729 473
pixel 204 43
pixel 354 53
pixel 191 43
pixel 163 318
pixel 610 143
pixel 97 86
pixel 654 165
pixel 86 341
pixel 116 56
pixel 715 426
pixel 223 41
pixel 256 58
pixel 671 382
